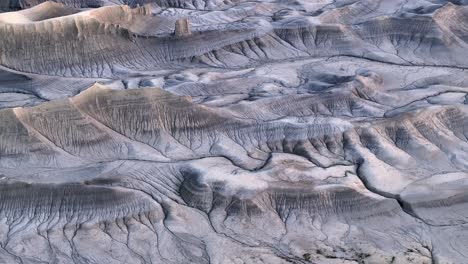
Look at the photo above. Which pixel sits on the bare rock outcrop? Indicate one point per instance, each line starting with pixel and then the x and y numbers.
pixel 182 28
pixel 211 131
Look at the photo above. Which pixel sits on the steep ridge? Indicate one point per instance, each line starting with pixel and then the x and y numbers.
pixel 10 5
pixel 103 49
pixel 165 148
pixel 108 43
pixel 47 10
pixel 265 132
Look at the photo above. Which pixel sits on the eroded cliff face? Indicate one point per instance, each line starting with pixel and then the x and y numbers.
pixel 234 132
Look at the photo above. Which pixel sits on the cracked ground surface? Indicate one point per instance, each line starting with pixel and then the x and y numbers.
pixel 271 132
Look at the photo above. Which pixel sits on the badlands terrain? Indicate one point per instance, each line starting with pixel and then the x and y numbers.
pixel 233 131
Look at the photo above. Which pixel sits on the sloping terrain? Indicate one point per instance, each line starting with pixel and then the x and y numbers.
pixel 258 132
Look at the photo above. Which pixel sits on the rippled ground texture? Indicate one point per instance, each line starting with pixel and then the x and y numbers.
pixel 307 131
